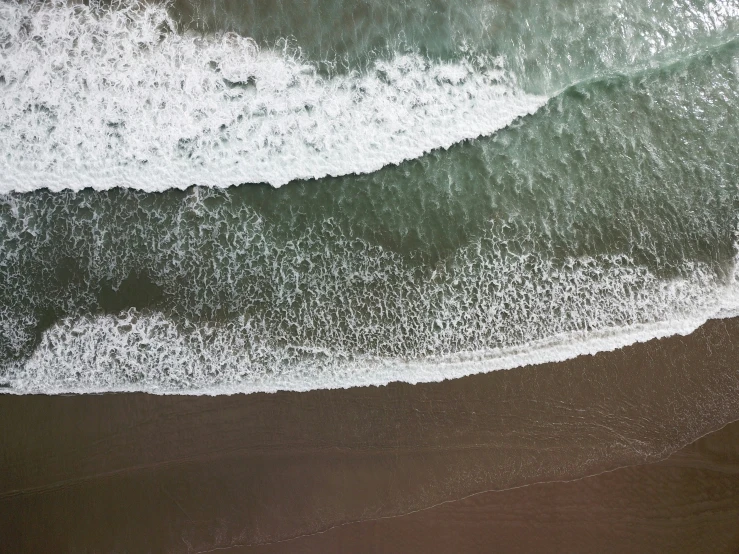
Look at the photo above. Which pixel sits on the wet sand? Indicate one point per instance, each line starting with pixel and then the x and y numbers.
pixel 688 503
pixel 143 473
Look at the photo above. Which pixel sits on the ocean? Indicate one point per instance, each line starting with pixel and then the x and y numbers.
pixel 217 197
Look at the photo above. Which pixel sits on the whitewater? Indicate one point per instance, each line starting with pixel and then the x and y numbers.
pixel 116 354
pixel 116 97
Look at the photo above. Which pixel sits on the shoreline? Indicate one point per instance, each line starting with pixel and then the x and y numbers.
pixel 381 372
pixel 193 473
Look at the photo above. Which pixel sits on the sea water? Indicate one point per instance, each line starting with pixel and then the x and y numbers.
pixel 218 197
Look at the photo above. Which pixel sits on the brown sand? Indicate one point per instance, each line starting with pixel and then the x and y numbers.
pixel 688 503
pixel 141 473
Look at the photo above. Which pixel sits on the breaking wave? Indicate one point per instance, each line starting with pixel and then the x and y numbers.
pixel 102 97
pixel 148 352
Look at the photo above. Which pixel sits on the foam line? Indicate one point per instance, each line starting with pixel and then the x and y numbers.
pixel 101 97
pixel 50 371
pixel 149 352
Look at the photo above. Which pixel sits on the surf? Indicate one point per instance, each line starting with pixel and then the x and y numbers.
pixel 118 97
pixel 606 215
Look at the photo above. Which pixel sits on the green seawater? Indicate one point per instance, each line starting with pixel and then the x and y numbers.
pixel 548 45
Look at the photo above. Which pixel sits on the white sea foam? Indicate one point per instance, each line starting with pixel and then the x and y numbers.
pixel 109 354
pixel 103 97
pixel 148 352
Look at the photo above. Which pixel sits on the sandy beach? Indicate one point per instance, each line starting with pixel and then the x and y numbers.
pixel 687 503
pixel 145 473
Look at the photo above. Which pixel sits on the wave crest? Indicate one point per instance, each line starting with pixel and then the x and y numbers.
pixel 102 97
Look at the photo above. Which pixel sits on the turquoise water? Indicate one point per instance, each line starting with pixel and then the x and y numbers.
pixel 575 188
